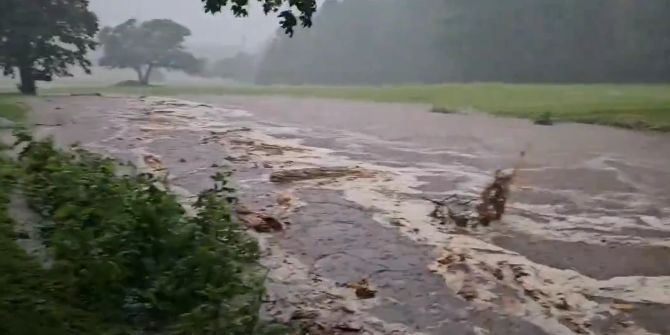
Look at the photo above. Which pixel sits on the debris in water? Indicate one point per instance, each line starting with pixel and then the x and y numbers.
pixel 457 209
pixel 452 258
pixel 242 210
pixel 292 175
pixel 285 199
pixel 397 222
pixel 260 222
pixel 153 163
pixel 494 197
pixel 468 291
pixel 252 145
pixel 349 326
pixel 495 271
pixel 623 307
pixel 562 304
pixel 273 149
pixel 626 323
pixel 263 223
pixel 466 210
pixel 574 325
pixel 532 292
pixel 363 290
pixel 498 274
pixel 304 314
pixel 237 159
pixel 229 131
pixel 518 271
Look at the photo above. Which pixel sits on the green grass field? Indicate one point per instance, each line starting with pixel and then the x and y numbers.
pixel 11 108
pixel 630 106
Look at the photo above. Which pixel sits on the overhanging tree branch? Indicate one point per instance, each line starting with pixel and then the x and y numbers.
pixel 297 11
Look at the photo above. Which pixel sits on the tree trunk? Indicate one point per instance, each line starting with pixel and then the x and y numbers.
pixel 147 75
pixel 140 80
pixel 27 86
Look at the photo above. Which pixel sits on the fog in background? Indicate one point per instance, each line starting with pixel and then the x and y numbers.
pixel 214 37
pixel 436 41
pixel 209 31
pixel 415 41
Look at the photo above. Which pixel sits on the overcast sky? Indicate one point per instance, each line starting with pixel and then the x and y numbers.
pixel 220 29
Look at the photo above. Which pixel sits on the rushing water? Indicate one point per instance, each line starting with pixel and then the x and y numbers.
pixel 585 247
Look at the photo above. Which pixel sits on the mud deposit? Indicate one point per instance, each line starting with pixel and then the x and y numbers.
pixel 583 249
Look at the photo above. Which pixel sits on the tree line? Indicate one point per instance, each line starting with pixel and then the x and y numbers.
pixel 435 41
pixel 364 41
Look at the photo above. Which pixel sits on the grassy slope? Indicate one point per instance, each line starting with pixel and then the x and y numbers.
pixel 629 106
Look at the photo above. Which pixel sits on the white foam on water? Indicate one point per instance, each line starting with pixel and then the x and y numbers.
pixel 387 190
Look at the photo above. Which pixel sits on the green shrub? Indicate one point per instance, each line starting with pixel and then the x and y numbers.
pixel 125 248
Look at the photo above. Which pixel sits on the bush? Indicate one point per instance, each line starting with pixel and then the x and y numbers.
pixel 125 248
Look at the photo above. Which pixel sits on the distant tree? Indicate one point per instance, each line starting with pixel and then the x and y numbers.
pixel 43 38
pixel 147 46
pixel 295 10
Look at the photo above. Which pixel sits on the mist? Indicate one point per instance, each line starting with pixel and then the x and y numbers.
pixel 208 31
pixel 373 42
pixel 436 41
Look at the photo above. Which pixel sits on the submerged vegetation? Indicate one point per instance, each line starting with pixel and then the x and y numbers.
pixel 125 256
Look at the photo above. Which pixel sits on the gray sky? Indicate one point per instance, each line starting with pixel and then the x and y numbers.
pixel 208 30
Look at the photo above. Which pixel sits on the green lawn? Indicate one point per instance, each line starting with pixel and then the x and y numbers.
pixel 11 108
pixel 629 106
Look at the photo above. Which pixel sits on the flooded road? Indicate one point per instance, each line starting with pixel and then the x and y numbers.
pixel 584 248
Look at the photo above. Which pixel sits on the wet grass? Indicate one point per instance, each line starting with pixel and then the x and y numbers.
pixel 629 106
pixel 11 108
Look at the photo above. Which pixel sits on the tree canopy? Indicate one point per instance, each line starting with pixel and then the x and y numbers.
pixel 43 38
pixel 296 11
pixel 147 46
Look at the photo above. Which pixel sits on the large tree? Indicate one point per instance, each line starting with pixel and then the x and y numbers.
pixel 147 46
pixel 291 12
pixel 43 38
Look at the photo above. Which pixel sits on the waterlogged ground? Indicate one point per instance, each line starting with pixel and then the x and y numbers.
pixel 584 248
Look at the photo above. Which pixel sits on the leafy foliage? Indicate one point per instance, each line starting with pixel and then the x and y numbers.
pixel 43 38
pixel 124 248
pixel 147 46
pixel 298 10
pixel 32 301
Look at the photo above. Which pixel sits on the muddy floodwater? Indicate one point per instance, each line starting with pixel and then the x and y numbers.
pixel 584 247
